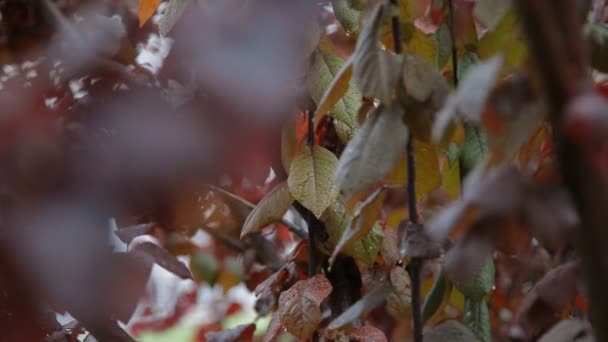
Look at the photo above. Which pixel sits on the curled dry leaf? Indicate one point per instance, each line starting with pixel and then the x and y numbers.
pixel 241 333
pixel 268 291
pixel 468 100
pixel 365 217
pixel 310 178
pixel 542 304
pixel 449 331
pixel 270 209
pixel 375 70
pixel 373 152
pixel 300 306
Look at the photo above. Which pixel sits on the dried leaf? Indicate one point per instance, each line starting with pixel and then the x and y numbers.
pixel 300 306
pixel 310 178
pixel 241 333
pixel 270 209
pixel 367 303
pixel 468 100
pixel 268 291
pixel 163 258
pixel 146 9
pixel 451 330
pixel 375 71
pixel 372 153
pixel 365 217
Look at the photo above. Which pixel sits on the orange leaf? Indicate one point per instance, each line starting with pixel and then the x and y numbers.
pixel 146 9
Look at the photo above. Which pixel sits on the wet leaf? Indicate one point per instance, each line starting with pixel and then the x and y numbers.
pixel 367 303
pixel 477 319
pixel 310 178
pixel 325 69
pixel 366 248
pixel 438 297
pixel 146 9
pixel 336 89
pixel 270 209
pixel 375 71
pixel 162 258
pixel 468 100
pixel 449 331
pixel 372 153
pixel 367 333
pixel 268 291
pixel 365 217
pixel 300 306
pixel 241 333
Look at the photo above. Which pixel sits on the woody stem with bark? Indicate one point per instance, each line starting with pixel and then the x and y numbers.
pixel 414 265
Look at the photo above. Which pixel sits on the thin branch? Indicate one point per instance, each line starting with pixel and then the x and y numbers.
pixel 453 42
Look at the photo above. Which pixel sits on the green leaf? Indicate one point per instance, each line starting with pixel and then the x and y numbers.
pixel 451 330
pixel 375 70
pixel 347 14
pixel 270 209
pixel 326 67
pixel 336 89
pixel 365 249
pixel 481 283
pixel 437 297
pixel 490 12
pixel 506 38
pixel 475 146
pixel 477 319
pixel 416 41
pixel 443 40
pixel 205 267
pixel 372 153
pixel 310 178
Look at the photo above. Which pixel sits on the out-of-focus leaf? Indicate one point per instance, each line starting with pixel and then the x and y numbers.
pixel 205 267
pixel 127 234
pixel 490 12
pixel 477 319
pixel 375 70
pixel 367 333
pixel 425 93
pixel 443 40
pixel 597 35
pixel 416 41
pixel 437 298
pixel 372 153
pixel 326 67
pixel 408 11
pixel 146 9
pixel 231 274
pixel 274 328
pixel 505 38
pixel 465 33
pixel 480 284
pixel 542 304
pixel 451 330
pixel 398 302
pixel 173 12
pixel 241 333
pixel 390 247
pixel 310 178
pixel 569 330
pixel 418 244
pixel 365 217
pixel 428 176
pixel 475 146
pixel 288 144
pixel 300 306
pixel 450 177
pixel 468 100
pixel 366 248
pixel 163 258
pixel 336 89
pixel 270 209
pixel 367 303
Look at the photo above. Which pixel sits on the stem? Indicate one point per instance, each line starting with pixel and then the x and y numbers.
pixel 414 265
pixel 308 215
pixel 454 49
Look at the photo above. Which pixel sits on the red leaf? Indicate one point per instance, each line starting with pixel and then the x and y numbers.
pixel 146 9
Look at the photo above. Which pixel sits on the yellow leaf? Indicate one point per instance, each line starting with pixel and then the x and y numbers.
pixel 146 9
pixel 336 89
pixel 419 43
pixel 450 179
pixel 270 209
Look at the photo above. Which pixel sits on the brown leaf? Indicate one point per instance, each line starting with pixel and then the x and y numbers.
pixel 390 248
pixel 269 290
pixel 237 334
pixel 300 306
pixel 274 328
pixel 541 306
pixel 399 301
pixel 367 333
pixel 163 258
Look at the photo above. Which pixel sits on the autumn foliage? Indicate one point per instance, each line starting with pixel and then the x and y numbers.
pixel 368 170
